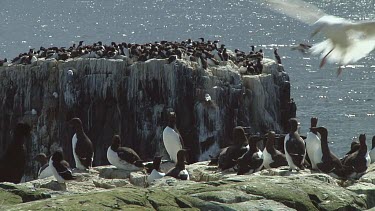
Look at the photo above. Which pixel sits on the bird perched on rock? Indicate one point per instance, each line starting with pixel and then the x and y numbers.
pixel 272 158
pixel 228 156
pixel 83 150
pixel 328 163
pixel 171 137
pixel 60 168
pixel 346 41
pixel 357 163
pixel 45 170
pixel 123 157
pixel 313 145
pixel 179 171
pixel 12 164
pixel 155 170
pixel 294 147
pixel 251 161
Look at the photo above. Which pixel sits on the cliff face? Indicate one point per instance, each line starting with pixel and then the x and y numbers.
pixel 114 97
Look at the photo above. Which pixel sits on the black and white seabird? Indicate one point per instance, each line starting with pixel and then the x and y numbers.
pixel 228 156
pixel 12 164
pixel 45 170
pixel 155 172
pixel 272 158
pixel 83 150
pixel 313 145
pixel 123 157
pixel 251 161
pixel 294 147
pixel 60 168
pixel 329 162
pixel 171 138
pixel 179 171
pixel 357 163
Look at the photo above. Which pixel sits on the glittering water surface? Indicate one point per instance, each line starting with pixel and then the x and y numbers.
pixel 345 104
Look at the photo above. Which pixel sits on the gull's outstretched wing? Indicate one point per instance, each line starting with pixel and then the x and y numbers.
pixel 297 9
pixel 365 27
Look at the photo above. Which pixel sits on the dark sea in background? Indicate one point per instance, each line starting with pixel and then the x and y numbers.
pixel 344 104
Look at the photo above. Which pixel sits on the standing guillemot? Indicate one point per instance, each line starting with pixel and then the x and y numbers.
pixel 251 161
pixel 329 163
pixel 45 170
pixel 60 168
pixel 83 150
pixel 123 157
pixel 313 145
pixel 272 158
pixel 171 138
pixel 12 164
pixel 277 56
pixel 294 147
pixel 179 171
pixel 155 172
pixel 228 156
pixel 357 163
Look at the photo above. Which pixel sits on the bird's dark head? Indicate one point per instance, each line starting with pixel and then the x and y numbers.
pixel 156 162
pixel 322 130
pixel 41 158
pixel 271 137
pixel 181 156
pixel 157 159
pixel 172 117
pixel 239 136
pixel 76 123
pixel 116 142
pixel 362 139
pixel 313 121
pixel 293 124
pixel 57 156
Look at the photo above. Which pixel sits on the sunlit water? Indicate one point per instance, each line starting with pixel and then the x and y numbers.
pixel 345 104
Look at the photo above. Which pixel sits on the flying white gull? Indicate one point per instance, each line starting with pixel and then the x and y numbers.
pixel 346 41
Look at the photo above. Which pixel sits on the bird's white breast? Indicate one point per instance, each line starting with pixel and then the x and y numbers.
pixel 314 149
pixel 154 176
pixel 76 158
pixel 287 156
pixel 47 172
pixel 115 160
pixel 172 143
pixel 184 172
pixel 55 173
pixel 267 159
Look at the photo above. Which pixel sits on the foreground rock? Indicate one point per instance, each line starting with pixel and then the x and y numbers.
pixel 276 189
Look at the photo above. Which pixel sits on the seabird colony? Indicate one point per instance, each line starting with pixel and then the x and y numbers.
pixel 205 53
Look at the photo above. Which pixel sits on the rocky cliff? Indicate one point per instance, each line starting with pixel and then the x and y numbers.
pixel 115 97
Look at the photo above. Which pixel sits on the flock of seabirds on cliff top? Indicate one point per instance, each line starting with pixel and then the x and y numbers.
pixel 205 53
pixel 242 155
